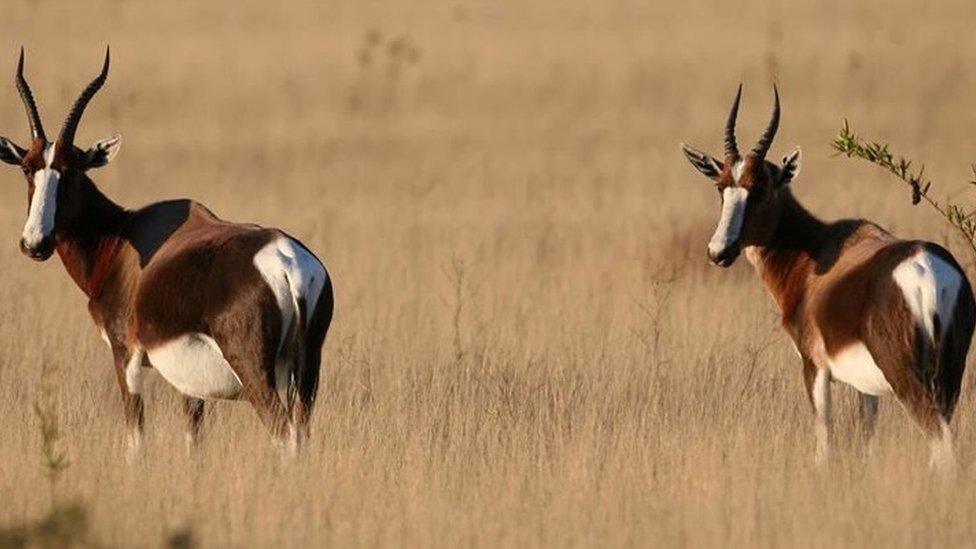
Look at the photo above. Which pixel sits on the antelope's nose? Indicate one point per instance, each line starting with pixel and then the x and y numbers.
pixel 725 256
pixel 39 252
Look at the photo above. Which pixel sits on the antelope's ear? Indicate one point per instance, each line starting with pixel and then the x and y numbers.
pixel 10 152
pixel 789 169
pixel 102 152
pixel 708 166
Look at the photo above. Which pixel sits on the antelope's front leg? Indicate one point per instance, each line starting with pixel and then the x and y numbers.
pixel 817 381
pixel 129 382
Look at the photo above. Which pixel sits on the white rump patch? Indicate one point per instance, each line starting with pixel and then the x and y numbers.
pixel 133 372
pixel 195 365
pixel 855 366
pixel 931 286
pixel 292 273
pixel 40 215
pixel 730 224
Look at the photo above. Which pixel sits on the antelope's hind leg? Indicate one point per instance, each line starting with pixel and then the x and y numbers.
pixel 868 417
pixel 307 377
pixel 921 401
pixel 251 350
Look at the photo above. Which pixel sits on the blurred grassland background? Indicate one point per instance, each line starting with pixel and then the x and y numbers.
pixel 529 348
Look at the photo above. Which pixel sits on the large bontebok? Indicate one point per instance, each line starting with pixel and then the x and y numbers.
pixel 221 310
pixel 881 314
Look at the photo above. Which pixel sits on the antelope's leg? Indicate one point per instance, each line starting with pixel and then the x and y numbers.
pixel 917 396
pixel 127 375
pixel 817 381
pixel 869 418
pixel 259 390
pixel 251 350
pixel 193 408
pixel 271 411
pixel 307 389
pixel 921 404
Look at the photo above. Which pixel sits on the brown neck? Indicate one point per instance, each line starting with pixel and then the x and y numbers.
pixel 89 246
pixel 791 253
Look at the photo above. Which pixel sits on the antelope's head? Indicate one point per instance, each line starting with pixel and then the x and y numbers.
pixel 749 187
pixel 54 170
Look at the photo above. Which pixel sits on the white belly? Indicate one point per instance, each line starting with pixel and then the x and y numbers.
pixel 855 366
pixel 194 364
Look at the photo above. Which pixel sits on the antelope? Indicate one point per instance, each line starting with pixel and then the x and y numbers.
pixel 861 306
pixel 220 310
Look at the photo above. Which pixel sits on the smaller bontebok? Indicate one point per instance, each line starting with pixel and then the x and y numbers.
pixel 881 314
pixel 221 310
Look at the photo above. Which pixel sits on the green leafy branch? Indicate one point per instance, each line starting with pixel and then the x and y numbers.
pixel 959 217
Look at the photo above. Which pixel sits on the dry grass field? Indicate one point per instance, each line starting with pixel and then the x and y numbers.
pixel 529 348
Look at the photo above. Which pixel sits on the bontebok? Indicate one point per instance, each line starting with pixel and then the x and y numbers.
pixel 221 310
pixel 881 314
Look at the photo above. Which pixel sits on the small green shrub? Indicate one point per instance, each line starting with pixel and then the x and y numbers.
pixel 961 218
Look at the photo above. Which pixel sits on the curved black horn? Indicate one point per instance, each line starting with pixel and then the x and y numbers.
pixel 762 147
pixel 71 123
pixel 731 147
pixel 37 130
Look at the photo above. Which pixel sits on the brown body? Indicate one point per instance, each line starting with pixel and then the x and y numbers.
pixel 231 310
pixel 861 306
pixel 174 268
pixel 834 287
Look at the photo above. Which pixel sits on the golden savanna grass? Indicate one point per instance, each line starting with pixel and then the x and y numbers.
pixel 528 348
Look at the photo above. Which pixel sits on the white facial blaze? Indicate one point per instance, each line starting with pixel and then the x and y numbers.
pixel 40 215
pixel 730 224
pixel 737 170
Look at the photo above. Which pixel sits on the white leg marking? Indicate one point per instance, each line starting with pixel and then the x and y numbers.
pixel 942 458
pixel 855 366
pixel 191 442
pixel 133 372
pixel 293 439
pixel 133 444
pixel 931 286
pixel 730 223
pixel 821 403
pixel 105 338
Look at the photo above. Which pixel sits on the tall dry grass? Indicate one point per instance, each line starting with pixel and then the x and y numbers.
pixel 528 349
